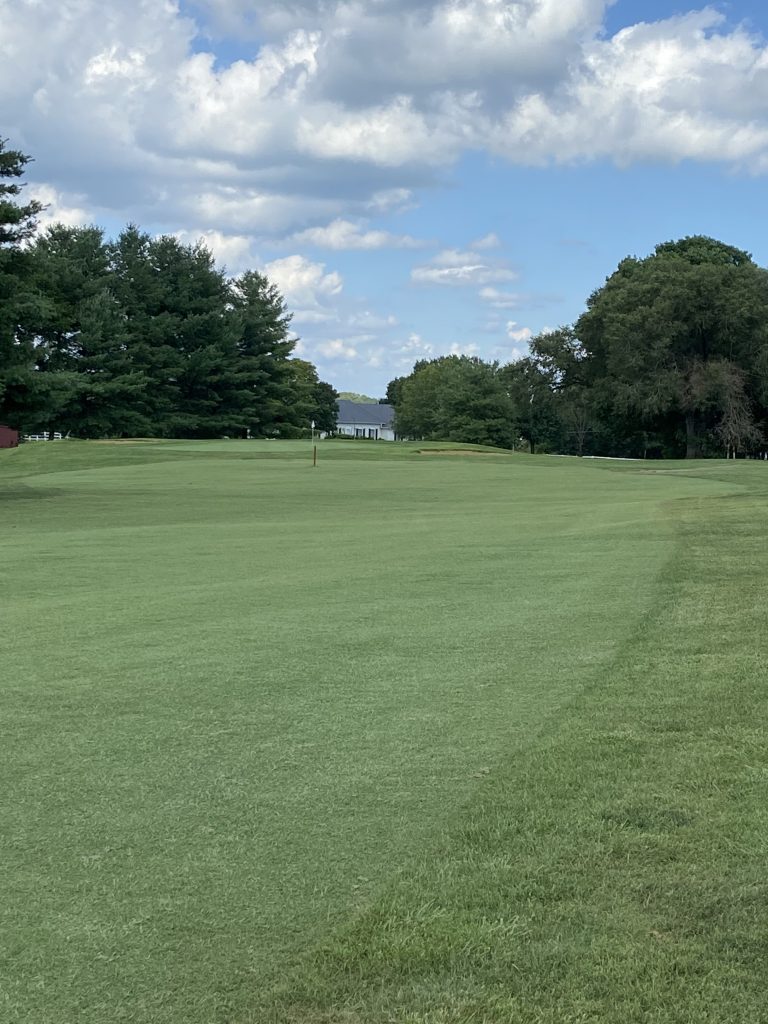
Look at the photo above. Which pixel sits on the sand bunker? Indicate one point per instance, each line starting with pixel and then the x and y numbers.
pixel 458 451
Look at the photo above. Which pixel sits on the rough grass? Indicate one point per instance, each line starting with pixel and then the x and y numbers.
pixel 390 740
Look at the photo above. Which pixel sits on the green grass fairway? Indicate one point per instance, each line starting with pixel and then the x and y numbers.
pixel 404 738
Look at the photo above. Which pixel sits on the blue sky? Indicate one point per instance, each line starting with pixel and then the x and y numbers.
pixel 418 178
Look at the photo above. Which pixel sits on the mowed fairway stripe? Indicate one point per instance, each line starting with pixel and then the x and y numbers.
pixel 614 870
pixel 239 693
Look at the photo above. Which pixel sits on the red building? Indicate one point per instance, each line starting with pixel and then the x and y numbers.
pixel 8 438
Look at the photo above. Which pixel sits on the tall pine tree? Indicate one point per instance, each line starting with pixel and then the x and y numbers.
pixel 18 391
pixel 261 326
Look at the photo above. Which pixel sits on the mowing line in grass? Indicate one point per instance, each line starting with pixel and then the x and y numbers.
pixel 616 870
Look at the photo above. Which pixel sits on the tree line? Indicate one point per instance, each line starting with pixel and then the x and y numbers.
pixel 140 335
pixel 145 336
pixel 669 359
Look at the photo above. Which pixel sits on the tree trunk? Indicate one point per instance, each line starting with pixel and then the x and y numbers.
pixel 691 440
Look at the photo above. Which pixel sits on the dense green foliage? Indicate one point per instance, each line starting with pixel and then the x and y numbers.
pixel 521 780
pixel 17 219
pixel 311 400
pixel 670 358
pixel 676 346
pixel 17 223
pixel 140 336
pixel 455 398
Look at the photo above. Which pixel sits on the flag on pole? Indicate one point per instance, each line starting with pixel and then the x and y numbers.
pixel 313 424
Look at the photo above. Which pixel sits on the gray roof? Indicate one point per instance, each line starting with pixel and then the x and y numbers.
pixel 366 414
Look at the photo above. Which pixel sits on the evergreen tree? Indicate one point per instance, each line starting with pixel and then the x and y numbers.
pixel 17 220
pixel 310 399
pixel 18 385
pixel 68 267
pixel 107 396
pixel 262 345
pixel 140 335
pixel 179 332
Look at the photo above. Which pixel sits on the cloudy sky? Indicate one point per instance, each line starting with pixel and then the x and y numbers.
pixel 418 177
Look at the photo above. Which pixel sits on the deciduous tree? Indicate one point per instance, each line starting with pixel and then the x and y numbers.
pixel 649 333
pixel 456 398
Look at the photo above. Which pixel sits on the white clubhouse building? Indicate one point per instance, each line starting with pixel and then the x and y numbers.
pixel 355 419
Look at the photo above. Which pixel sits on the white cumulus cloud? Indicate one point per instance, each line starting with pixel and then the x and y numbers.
pixel 58 208
pixel 372 321
pixel 517 333
pixel 500 299
pixel 490 241
pixel 391 199
pixel 347 234
pixel 303 283
pixel 232 252
pixel 338 108
pixel 457 268
pixel 337 348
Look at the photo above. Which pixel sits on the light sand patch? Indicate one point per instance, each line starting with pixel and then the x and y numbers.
pixel 458 451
